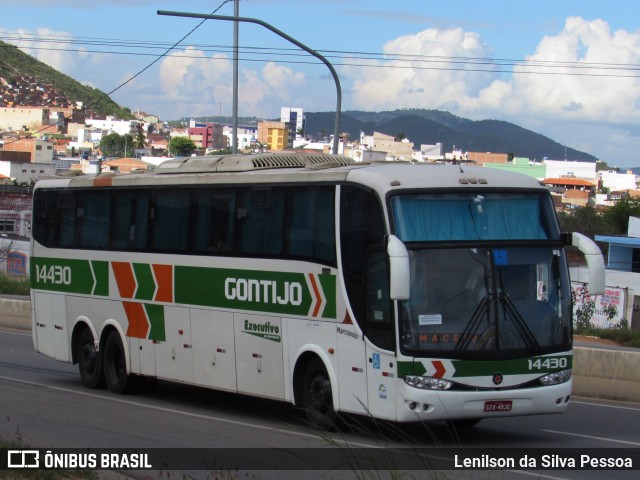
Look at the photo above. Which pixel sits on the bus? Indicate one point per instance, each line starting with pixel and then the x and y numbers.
pixel 405 292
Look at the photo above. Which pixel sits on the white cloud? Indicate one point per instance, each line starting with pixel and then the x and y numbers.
pixel 281 78
pixel 421 74
pixel 50 52
pixel 559 89
pixel 588 47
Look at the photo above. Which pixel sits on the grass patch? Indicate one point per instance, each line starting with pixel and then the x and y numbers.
pixel 14 285
pixel 622 336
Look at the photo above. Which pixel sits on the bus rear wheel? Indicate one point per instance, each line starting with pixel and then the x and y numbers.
pixel 317 396
pixel 89 361
pixel 115 365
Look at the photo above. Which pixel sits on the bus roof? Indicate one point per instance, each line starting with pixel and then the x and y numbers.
pixel 291 167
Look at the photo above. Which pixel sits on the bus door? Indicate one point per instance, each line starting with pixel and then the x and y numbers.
pixel 214 360
pixel 50 328
pixel 174 358
pixel 379 327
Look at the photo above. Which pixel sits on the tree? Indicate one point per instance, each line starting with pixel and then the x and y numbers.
pixel 616 218
pixel 182 146
pixel 113 145
pixel 139 141
pixel 585 220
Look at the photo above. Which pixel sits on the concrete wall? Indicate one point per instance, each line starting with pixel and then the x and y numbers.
pixel 597 372
pixel 604 373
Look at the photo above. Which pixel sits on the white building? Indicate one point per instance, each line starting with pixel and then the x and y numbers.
pixel 246 137
pixel 428 153
pixel 571 169
pixel 615 181
pixel 296 120
pixel 111 125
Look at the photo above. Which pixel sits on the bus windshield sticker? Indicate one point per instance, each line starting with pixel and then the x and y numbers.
pixel 500 257
pixel 430 319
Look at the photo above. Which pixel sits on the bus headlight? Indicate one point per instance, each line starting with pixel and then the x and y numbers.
pixel 427 383
pixel 556 377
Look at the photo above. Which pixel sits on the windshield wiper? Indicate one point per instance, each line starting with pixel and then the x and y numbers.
pixel 481 312
pixel 521 325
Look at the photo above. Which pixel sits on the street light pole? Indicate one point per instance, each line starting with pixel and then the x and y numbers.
pixel 336 130
pixel 234 127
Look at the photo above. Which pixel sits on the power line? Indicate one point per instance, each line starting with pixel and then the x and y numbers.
pixel 391 60
pixel 411 65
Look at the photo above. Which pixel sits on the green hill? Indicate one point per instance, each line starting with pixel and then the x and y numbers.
pixel 19 70
pixel 435 126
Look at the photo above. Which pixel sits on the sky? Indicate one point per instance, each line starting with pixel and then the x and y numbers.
pixel 567 69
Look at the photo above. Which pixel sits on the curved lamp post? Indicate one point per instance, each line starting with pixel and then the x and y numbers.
pixel 336 129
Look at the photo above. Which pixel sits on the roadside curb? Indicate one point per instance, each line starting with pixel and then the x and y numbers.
pixel 597 372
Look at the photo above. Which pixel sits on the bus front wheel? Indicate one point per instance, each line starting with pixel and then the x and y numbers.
pixel 115 365
pixel 89 361
pixel 318 397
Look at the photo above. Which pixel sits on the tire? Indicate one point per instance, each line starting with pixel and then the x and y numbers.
pixel 89 361
pixel 317 397
pixel 115 366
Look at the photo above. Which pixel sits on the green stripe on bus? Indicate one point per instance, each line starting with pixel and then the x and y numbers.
pixel 284 293
pixel 155 313
pixel 479 368
pixel 328 283
pixel 70 275
pixel 512 367
pixel 146 283
pixel 101 274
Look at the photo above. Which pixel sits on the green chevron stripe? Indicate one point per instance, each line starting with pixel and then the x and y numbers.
pixel 101 274
pixel 146 282
pixel 155 314
pixel 328 285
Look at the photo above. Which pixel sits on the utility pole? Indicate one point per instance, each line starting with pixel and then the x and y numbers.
pixel 234 129
pixel 336 131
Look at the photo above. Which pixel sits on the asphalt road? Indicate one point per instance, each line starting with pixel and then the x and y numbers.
pixel 43 403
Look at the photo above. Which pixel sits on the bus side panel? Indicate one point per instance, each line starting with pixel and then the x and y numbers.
pixel 214 360
pixel 174 359
pixel 51 332
pixel 259 355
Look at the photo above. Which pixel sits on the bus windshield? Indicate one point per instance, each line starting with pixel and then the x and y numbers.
pixel 502 291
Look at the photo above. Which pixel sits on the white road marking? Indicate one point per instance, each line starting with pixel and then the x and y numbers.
pixel 612 440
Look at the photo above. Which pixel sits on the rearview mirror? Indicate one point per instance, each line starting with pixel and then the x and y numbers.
pixel 400 281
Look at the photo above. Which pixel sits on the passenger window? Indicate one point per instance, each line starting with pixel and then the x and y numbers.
pixel 170 214
pixel 93 213
pixel 131 221
pixel 311 224
pixel 260 221
pixel 214 221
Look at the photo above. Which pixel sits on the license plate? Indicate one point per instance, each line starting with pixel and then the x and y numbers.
pixel 498 406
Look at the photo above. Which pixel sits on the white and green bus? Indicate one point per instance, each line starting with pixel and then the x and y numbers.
pixel 400 291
